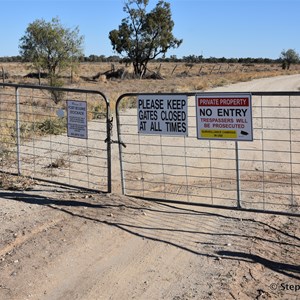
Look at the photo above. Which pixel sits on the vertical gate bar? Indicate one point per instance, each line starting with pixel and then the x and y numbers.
pixel 108 146
pixel 120 147
pixel 18 130
pixel 33 138
pixel 141 165
pixel 262 149
pixel 238 187
pixel 186 172
pixel 87 149
pixel 162 164
pixel 291 153
pixel 68 140
pixel 210 173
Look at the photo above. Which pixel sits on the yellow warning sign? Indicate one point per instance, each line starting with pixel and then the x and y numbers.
pixel 224 134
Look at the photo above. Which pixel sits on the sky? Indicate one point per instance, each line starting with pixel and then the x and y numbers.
pixel 212 28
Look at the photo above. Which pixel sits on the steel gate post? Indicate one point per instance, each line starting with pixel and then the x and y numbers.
pixel 120 145
pixel 238 191
pixel 18 130
pixel 108 147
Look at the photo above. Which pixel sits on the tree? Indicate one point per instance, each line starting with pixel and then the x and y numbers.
pixel 289 57
pixel 51 47
pixel 143 36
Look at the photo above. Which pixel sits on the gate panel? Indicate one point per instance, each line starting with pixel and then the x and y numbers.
pixel 262 175
pixel 175 167
pixel 35 141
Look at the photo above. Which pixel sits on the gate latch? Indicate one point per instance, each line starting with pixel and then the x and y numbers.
pixel 110 140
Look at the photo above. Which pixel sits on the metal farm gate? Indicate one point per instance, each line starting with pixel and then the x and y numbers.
pixel 39 140
pixel 258 175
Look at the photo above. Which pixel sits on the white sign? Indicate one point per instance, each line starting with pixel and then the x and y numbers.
pixel 77 119
pixel 162 114
pixel 224 116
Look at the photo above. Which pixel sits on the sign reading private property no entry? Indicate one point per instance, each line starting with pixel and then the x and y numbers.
pixel 223 116
pixel 162 114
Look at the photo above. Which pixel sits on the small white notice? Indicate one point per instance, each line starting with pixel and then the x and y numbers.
pixel 162 114
pixel 77 119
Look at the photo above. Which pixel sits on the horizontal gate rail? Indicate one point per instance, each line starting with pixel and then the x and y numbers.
pixel 35 142
pixel 262 175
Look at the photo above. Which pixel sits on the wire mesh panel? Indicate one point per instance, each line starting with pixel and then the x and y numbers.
pixel 270 166
pixel 35 141
pixel 259 175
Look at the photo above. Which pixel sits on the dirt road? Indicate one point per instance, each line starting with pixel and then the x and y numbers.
pixel 59 243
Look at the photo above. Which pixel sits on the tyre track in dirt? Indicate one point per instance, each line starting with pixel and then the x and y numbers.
pixel 121 248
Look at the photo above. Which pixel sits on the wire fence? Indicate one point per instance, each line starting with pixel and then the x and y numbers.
pixel 37 140
pixel 260 175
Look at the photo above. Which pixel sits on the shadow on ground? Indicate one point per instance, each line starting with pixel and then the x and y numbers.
pixel 216 235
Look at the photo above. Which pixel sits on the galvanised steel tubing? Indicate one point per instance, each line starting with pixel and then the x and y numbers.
pixel 18 130
pixel 239 206
pixel 51 88
pixel 237 161
pixel 120 143
pixel 62 89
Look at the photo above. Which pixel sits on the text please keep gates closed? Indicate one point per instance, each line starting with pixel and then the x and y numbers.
pixel 218 115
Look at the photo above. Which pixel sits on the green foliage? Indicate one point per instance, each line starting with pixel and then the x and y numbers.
pixel 289 57
pixel 143 36
pixel 51 47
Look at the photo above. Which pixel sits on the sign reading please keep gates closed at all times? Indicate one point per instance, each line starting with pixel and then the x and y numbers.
pixel 162 114
pixel 222 116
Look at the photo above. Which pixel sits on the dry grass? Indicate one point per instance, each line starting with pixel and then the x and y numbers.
pixel 41 119
pixel 16 183
pixel 58 163
pixel 178 77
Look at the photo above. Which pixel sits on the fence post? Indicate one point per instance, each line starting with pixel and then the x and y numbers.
pixel 174 69
pixel 3 75
pixel 200 70
pixel 39 76
pixel 18 130
pixel 238 175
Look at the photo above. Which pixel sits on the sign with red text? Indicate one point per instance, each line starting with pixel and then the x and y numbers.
pixel 162 114
pixel 223 116
pixel 77 119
